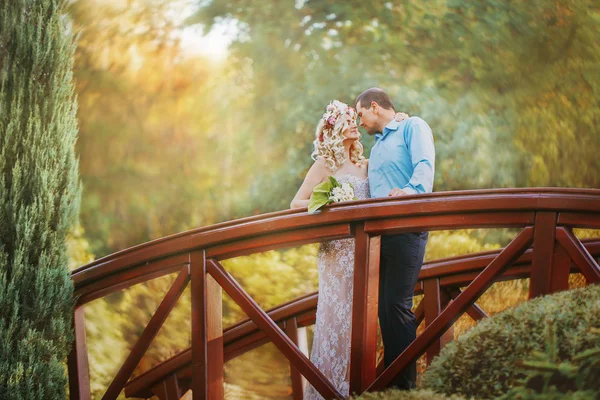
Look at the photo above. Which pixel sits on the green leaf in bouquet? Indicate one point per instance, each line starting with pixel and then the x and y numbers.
pixel 324 187
pixel 334 182
pixel 317 200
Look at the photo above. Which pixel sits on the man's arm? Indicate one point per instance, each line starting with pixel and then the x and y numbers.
pixel 419 140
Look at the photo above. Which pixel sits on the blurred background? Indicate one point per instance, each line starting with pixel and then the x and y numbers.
pixel 196 112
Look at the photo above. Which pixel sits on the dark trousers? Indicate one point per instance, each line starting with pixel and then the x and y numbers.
pixel 401 261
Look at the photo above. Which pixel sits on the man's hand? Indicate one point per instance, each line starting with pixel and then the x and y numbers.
pixel 397 192
pixel 400 116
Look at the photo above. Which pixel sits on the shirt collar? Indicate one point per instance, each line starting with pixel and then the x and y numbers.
pixel 390 127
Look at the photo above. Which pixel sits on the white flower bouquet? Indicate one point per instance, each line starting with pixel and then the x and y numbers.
pixel 330 191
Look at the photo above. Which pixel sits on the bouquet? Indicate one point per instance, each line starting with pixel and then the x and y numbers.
pixel 330 191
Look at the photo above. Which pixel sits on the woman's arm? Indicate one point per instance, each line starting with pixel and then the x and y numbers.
pixel 316 174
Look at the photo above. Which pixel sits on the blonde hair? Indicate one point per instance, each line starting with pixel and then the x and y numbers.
pixel 329 137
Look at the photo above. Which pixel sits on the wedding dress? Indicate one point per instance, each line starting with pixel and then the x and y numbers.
pixel 333 327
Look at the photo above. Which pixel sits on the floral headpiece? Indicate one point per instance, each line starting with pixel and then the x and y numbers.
pixel 334 110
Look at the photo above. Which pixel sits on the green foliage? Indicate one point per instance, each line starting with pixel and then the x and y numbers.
pixel 482 362
pixel 407 395
pixel 39 193
pixel 548 377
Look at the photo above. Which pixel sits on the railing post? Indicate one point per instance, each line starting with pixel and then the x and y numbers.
pixel 207 332
pixel 363 349
pixel 435 301
pixel 79 376
pixel 292 331
pixel 561 266
pixel 168 389
pixel 543 254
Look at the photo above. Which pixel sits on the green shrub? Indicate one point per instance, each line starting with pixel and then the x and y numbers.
pixel 407 395
pixel 483 362
pixel 547 377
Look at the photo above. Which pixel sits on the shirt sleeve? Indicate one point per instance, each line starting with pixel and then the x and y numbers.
pixel 419 140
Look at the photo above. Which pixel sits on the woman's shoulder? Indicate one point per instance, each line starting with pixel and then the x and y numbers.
pixel 320 166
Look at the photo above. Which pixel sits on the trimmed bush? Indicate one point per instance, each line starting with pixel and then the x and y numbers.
pixel 407 395
pixel 483 362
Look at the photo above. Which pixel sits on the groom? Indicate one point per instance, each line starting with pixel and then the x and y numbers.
pixel 402 163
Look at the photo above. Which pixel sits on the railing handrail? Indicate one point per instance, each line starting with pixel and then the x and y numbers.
pixel 447 203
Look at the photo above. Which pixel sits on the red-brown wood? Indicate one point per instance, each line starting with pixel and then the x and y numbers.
pixel 168 389
pixel 291 330
pixel 435 300
pixel 79 376
pixel 493 208
pixel 475 312
pixel 130 277
pixel 455 309
pixel 278 240
pixel 561 267
pixel 579 254
pixel 579 220
pixel 304 308
pixel 214 336
pixel 440 222
pixel 363 349
pixel 143 343
pixel 466 202
pixel 238 339
pixel 198 269
pixel 543 254
pixel 278 338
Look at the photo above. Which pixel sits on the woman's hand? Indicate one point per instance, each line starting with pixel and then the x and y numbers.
pixel 400 117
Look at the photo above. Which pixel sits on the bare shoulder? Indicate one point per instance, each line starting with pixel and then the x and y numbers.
pixel 319 169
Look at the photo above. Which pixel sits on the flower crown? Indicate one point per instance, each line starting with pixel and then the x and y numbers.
pixel 334 110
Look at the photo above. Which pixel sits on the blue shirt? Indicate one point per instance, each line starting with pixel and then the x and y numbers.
pixel 403 157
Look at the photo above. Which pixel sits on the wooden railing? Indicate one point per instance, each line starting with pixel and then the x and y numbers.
pixel 546 217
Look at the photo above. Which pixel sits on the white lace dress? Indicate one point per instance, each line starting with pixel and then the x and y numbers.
pixel 333 327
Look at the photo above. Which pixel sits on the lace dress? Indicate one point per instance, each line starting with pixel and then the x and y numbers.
pixel 333 327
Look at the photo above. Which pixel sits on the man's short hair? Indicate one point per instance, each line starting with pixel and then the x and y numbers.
pixel 378 96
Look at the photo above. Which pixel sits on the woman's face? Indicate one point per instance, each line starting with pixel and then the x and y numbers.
pixel 351 132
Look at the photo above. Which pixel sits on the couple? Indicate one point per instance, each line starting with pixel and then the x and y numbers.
pixel 402 162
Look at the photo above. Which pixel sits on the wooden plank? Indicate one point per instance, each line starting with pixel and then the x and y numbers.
pixel 474 311
pixel 543 254
pixel 291 330
pixel 149 333
pixel 411 223
pixel 589 220
pixel 278 240
pixel 435 300
pixel 168 389
pixel 79 375
pixel 579 254
pixel 128 278
pixel 214 335
pixel 420 313
pixel 363 349
pixel 466 202
pixel 523 271
pixel 456 308
pixel 199 325
pixel 561 268
pixel 279 339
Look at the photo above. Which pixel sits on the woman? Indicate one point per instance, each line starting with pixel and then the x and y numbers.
pixel 337 152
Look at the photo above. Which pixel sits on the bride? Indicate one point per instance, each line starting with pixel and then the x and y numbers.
pixel 337 152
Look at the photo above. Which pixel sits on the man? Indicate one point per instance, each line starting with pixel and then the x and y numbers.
pixel 402 163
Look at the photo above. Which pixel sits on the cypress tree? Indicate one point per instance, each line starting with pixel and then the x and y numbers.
pixel 39 196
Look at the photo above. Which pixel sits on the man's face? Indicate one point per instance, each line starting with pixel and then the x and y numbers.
pixel 367 118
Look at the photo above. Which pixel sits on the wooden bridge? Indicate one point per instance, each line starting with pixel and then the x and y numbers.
pixel 545 250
